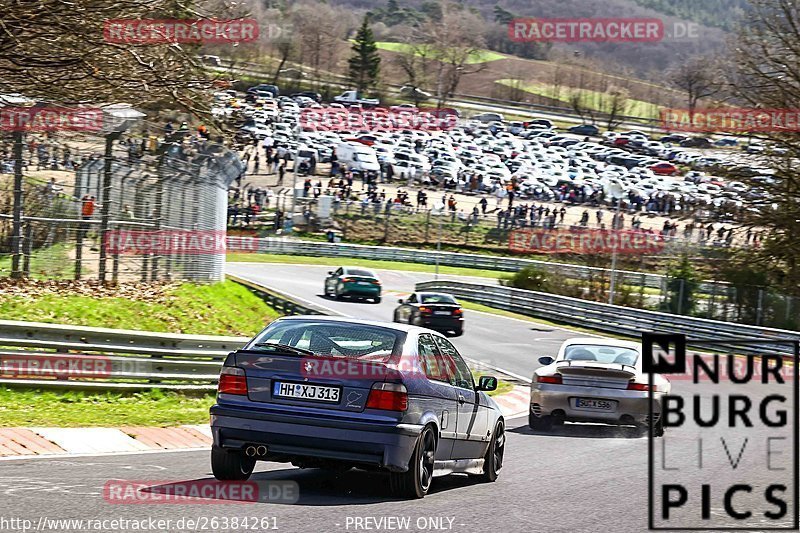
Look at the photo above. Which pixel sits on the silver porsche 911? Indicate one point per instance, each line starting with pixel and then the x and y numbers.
pixel 595 380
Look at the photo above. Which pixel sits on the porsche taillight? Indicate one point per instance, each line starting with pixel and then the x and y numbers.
pixel 555 379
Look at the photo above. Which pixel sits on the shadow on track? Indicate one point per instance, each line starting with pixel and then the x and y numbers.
pixel 584 431
pixel 310 486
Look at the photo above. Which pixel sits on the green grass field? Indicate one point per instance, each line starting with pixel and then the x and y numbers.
pixel 481 56
pixel 637 108
pixel 217 309
pixel 369 263
pixel 31 407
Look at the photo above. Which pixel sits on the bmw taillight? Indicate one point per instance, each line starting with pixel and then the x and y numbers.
pixel 347 280
pixel 425 310
pixel 375 282
pixel 388 396
pixel 554 379
pixel 458 312
pixel 232 381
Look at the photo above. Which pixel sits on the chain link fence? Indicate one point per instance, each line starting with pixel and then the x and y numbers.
pixel 136 206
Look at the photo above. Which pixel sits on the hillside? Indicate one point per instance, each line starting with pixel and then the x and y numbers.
pixel 713 17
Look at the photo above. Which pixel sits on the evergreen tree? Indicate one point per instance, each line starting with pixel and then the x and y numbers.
pixel 365 63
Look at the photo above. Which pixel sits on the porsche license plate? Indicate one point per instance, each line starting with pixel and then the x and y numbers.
pixel 592 403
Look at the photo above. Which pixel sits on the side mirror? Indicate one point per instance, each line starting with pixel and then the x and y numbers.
pixel 400 301
pixel 330 272
pixel 546 360
pixel 487 383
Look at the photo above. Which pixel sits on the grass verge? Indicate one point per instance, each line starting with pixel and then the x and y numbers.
pixel 45 408
pixel 369 263
pixel 225 308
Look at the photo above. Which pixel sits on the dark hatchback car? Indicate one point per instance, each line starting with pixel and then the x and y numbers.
pixel 353 282
pixel 585 129
pixel 329 392
pixel 431 310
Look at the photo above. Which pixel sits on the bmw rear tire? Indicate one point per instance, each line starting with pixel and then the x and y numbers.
pixel 229 465
pixel 416 481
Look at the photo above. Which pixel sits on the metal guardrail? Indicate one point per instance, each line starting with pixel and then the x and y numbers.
pixel 36 354
pixel 278 300
pixel 613 318
pixel 407 255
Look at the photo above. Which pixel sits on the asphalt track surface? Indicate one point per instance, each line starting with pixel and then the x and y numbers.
pixel 578 478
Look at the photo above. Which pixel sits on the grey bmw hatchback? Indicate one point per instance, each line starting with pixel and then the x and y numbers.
pixel 335 392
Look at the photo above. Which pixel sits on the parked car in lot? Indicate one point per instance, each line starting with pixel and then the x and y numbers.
pixel 353 282
pixel 273 89
pixel 696 142
pixel 664 169
pixel 584 129
pixel 330 392
pixel 431 310
pixel 595 380
pixel 488 117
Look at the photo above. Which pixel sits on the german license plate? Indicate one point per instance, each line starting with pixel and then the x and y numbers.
pixel 304 391
pixel 441 312
pixel 591 403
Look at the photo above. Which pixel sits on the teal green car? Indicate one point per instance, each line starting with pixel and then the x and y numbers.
pixel 353 282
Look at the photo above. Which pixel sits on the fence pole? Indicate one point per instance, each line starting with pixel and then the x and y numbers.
pixel 79 248
pixel 105 208
pixel 680 296
pixel 16 231
pixel 157 216
pixel 28 249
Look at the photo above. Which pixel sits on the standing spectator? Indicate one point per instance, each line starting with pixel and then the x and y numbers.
pixel 484 204
pixel 281 172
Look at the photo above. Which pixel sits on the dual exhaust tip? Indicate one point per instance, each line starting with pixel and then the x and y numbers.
pixel 255 451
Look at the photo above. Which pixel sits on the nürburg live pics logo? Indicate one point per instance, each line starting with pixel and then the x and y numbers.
pixel 728 458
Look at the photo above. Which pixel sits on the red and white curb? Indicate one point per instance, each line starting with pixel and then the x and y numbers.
pixel 515 403
pixel 33 441
pixel 41 441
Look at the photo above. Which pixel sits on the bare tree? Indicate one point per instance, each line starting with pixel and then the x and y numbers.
pixel 699 78
pixel 57 50
pixel 615 107
pixel 454 40
pixel 766 77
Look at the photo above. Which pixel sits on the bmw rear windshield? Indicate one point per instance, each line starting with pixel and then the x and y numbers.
pixel 338 339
